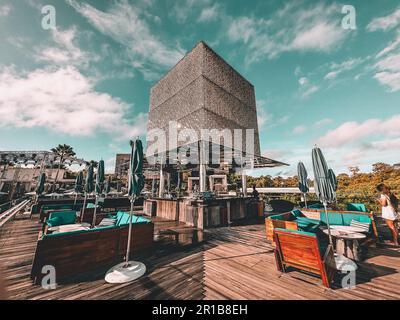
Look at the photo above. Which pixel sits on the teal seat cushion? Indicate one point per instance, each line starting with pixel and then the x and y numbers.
pixel 308 220
pixel 120 214
pixel 360 207
pixel 124 219
pixel 54 222
pixel 297 213
pixel 306 224
pixel 334 218
pixel 348 217
pixel 68 217
pixel 90 206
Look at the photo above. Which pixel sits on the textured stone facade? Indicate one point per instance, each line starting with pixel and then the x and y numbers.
pixel 122 164
pixel 204 92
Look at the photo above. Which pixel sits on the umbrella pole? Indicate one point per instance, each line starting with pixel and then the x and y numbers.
pixel 305 199
pixel 126 271
pixel 327 222
pixel 94 213
pixel 84 206
pixel 128 247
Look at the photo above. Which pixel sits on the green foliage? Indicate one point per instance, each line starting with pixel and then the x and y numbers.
pixel 353 187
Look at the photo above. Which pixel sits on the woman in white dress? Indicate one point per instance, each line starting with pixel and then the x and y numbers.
pixel 390 213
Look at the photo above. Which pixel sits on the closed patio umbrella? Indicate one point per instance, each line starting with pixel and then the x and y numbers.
pixel 303 182
pixel 322 183
pixel 78 184
pixel 98 188
pixel 334 182
pixel 40 186
pixel 131 270
pixel 88 187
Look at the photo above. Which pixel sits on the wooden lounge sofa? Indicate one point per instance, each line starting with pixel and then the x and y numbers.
pixel 303 251
pixel 77 252
pixel 310 220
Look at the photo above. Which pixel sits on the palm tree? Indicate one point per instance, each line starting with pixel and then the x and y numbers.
pixel 63 151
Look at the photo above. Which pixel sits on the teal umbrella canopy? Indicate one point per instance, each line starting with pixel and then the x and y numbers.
pixel 136 178
pixel 322 183
pixel 333 180
pixel 100 177
pixel 79 182
pixel 302 175
pixel 40 185
pixel 89 179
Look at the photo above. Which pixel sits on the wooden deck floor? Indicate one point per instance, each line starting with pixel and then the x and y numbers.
pixel 233 263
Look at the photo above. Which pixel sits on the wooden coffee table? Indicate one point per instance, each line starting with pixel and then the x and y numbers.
pixel 347 243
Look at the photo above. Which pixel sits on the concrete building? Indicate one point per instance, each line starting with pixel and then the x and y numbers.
pixel 202 91
pixel 121 165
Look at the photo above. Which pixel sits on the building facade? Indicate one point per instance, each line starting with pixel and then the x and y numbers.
pixel 121 165
pixel 204 92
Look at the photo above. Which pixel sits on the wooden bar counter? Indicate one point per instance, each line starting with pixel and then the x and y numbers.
pixel 204 214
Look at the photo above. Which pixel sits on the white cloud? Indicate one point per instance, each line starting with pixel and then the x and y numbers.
pixel 317 28
pixel 391 62
pixel 124 24
pixel 183 10
pixel 351 132
pixel 66 50
pixel 388 71
pixel 390 79
pixel 263 118
pixel 5 10
pixel 299 129
pixel 307 88
pixel 336 69
pixel 209 13
pixel 242 29
pixel 385 23
pixel 321 37
pixel 390 47
pixel 389 144
pixel 323 122
pixel 64 101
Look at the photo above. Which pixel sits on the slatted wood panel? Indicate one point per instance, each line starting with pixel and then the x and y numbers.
pixel 234 263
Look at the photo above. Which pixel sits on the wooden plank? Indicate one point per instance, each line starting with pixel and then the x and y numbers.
pixel 234 263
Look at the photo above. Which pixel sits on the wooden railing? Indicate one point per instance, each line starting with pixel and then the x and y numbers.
pixel 14 207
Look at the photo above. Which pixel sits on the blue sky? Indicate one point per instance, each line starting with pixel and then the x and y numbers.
pixel 87 82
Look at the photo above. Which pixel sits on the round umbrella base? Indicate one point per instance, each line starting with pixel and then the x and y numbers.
pixel 122 273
